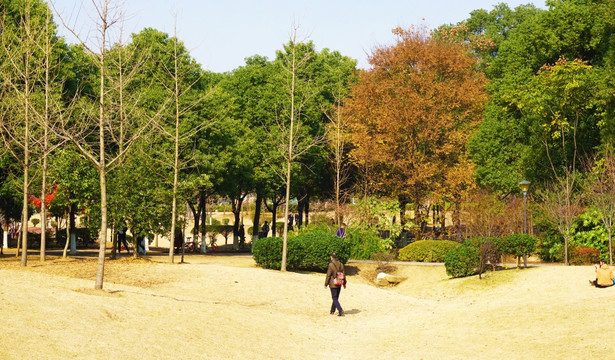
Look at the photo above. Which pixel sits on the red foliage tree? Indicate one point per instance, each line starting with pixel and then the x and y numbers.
pixel 411 115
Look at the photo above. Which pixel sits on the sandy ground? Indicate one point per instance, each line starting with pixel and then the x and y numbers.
pixel 223 307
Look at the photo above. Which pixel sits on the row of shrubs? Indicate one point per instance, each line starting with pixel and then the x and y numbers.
pixel 308 251
pixel 470 257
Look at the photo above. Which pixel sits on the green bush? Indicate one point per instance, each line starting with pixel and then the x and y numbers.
pixel 583 255
pixel 279 228
pixel 84 236
pixel 462 261
pixel 427 250
pixel 550 247
pixel 518 245
pixel 478 241
pixel 267 252
pixel 363 244
pixel 305 252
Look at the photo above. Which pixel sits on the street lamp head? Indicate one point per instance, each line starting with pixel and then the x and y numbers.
pixel 524 185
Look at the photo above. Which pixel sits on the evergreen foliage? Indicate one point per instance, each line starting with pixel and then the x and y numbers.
pixel 305 252
pixel 427 250
pixel 462 261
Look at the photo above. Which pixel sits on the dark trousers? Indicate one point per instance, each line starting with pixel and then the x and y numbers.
pixel 119 246
pixel 335 295
pixel 600 286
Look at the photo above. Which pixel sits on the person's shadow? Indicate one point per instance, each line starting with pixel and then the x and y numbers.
pixel 352 312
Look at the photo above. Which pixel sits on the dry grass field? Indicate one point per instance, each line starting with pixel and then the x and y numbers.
pixel 224 307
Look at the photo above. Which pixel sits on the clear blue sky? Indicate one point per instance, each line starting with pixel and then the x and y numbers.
pixel 222 33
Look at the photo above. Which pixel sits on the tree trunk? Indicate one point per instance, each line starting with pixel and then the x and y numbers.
pixel 68 227
pixel 610 230
pixel 26 166
pixel 195 215
pixel 100 270
pixel 257 214
pixel 113 242
pixel 45 138
pixel 203 206
pixel 457 219
pixel 306 210
pixel 73 240
pixel 274 215
pixel 44 206
pixel 402 211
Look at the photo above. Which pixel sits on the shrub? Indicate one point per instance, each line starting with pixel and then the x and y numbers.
pixel 318 246
pixel 489 254
pixel 518 245
pixel 478 241
pixel 583 255
pixel 551 246
pixel 267 252
pixel 279 228
pixel 364 243
pixel 462 261
pixel 427 250
pixel 305 252
pixel 83 235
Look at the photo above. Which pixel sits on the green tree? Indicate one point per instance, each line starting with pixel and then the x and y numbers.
pixel 78 188
pixel 508 145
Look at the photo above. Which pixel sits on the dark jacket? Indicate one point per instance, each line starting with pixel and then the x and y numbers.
pixel 334 267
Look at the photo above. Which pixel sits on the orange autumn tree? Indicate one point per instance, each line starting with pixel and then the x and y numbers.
pixel 411 115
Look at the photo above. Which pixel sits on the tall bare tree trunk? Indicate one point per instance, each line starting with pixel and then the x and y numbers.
pixel 289 159
pixel 45 148
pixel 102 171
pixel 175 168
pixel 24 214
pixel 102 168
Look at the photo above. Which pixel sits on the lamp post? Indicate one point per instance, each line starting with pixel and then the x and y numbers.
pixel 524 185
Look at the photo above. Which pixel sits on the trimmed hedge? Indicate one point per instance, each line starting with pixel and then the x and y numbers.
pixel 462 261
pixel 309 251
pixel 518 245
pixel 427 250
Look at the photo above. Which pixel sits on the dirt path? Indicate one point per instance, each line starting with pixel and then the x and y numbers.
pixel 217 307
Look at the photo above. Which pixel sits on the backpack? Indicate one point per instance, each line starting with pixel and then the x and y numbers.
pixel 339 279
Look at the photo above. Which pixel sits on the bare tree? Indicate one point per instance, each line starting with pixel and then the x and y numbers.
pixel 562 202
pixel 21 69
pixel 290 125
pixel 107 15
pixel 44 117
pixel 338 140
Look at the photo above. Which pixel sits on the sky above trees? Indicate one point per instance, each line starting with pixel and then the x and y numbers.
pixel 221 34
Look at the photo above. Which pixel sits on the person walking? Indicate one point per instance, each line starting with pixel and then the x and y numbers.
pixel 341 231
pixel 265 229
pixel 335 283
pixel 121 240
